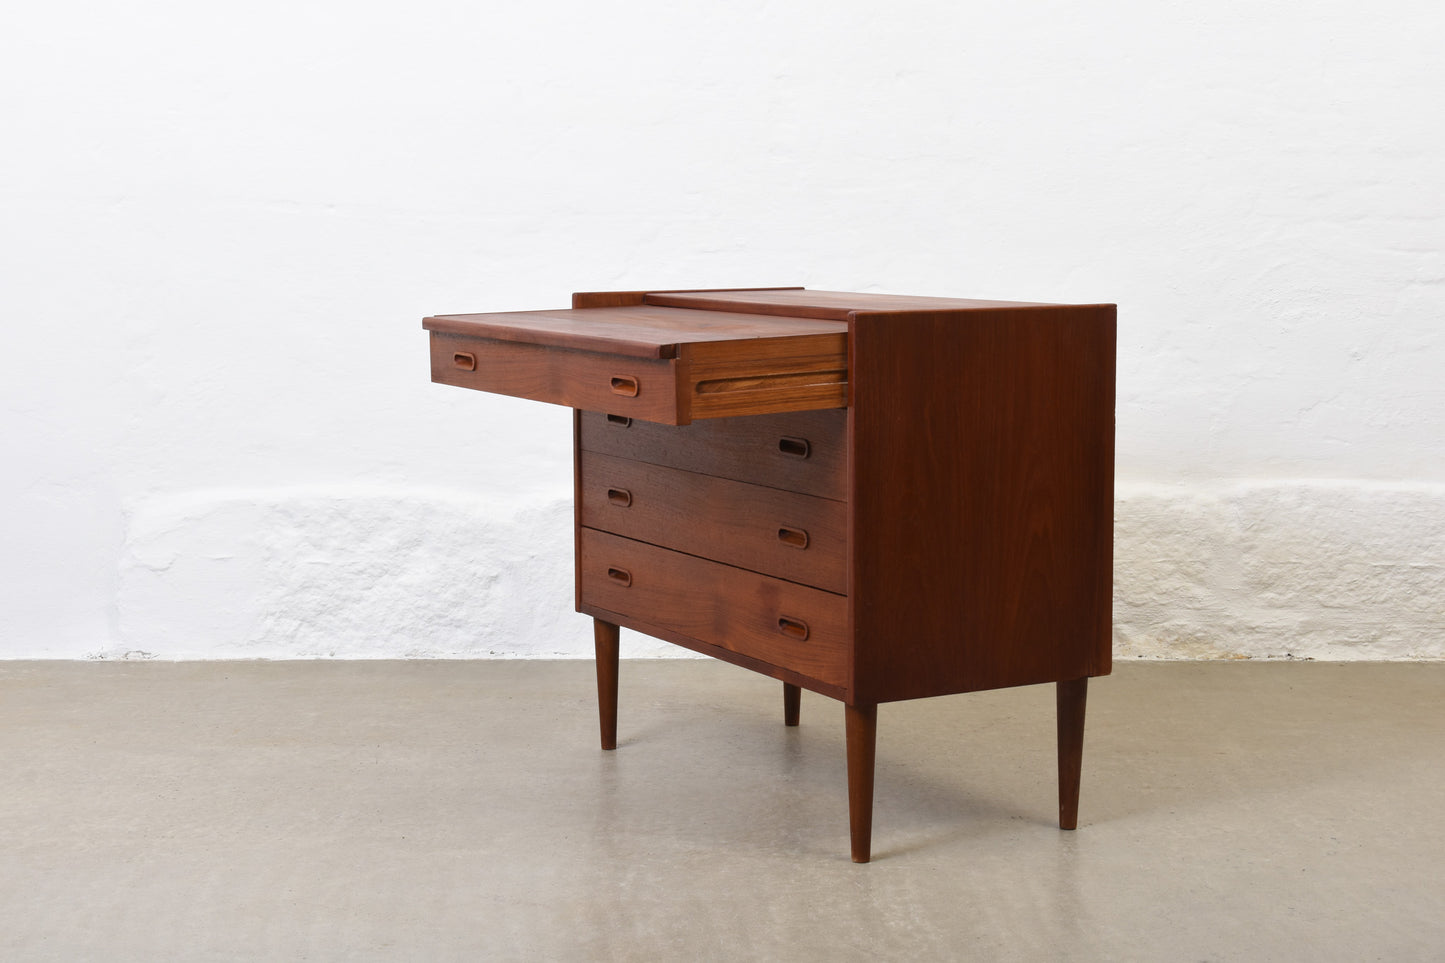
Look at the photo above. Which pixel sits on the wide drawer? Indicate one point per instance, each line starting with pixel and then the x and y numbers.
pixel 640 387
pixel 802 451
pixel 781 623
pixel 801 538
pixel 659 364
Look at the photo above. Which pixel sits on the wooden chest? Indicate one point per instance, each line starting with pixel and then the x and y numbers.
pixel 872 497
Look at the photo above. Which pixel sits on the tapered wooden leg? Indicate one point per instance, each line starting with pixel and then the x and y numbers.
pixel 1070 696
pixel 792 702
pixel 862 728
pixel 604 635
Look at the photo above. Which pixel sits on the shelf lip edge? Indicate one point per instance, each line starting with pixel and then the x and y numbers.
pixel 640 331
pixel 458 326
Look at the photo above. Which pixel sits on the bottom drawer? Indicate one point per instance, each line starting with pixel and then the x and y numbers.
pixel 781 623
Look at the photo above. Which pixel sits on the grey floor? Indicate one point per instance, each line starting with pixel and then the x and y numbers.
pixel 461 811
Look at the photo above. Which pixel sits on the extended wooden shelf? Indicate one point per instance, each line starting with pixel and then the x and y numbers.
pixel 663 364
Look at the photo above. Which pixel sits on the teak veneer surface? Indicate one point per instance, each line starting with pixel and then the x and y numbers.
pixel 718 604
pixel 668 365
pixel 639 331
pixel 618 299
pixel 821 305
pixel 981 498
pixel 752 449
pixel 785 534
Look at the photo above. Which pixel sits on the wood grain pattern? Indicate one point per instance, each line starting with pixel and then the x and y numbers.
pixel 577 508
pixel 619 299
pixel 982 498
pixel 750 449
pixel 718 604
pixel 710 379
pixel 640 624
pixel 1070 697
pixel 731 378
pixel 605 641
pixel 861 731
pixel 640 331
pixel 792 704
pixel 820 305
pixel 576 379
pixel 784 534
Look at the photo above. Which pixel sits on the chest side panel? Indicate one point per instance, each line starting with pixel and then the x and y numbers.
pixel 982 498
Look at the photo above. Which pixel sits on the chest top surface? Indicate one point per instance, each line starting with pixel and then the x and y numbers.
pixel 639 331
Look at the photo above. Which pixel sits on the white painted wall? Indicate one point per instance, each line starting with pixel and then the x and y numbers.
pixel 223 223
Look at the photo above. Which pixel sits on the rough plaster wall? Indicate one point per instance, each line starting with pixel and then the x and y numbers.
pixel 220 232
pixel 359 574
pixel 296 573
pixel 1325 571
pixel 1280 570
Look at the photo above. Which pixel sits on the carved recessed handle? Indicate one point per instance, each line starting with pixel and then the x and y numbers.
pixel 465 361
pixel 620 497
pixel 621 421
pixel 795 447
pixel 625 385
pixel 793 628
pixel 793 537
pixel 621 576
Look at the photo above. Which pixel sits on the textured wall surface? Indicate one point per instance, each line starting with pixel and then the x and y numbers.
pixel 1280 570
pixel 221 230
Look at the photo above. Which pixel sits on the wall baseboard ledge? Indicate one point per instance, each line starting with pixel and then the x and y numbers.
pixel 1322 570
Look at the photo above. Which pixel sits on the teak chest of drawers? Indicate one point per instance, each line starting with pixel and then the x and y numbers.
pixel 873 497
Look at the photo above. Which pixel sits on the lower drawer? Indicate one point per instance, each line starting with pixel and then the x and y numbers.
pixel 781 623
pixel 784 534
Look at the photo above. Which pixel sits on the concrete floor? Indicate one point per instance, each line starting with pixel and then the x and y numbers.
pixel 461 811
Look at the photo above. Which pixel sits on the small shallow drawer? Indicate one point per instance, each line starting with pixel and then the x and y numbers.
pixel 643 388
pixel 801 451
pixel 658 364
pixel 780 533
pixel 778 622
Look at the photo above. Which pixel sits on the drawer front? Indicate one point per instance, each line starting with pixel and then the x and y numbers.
pixel 796 537
pixel 778 622
pixel 802 451
pixel 634 387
